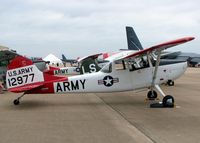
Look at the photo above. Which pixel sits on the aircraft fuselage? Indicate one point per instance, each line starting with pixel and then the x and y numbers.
pixel 117 80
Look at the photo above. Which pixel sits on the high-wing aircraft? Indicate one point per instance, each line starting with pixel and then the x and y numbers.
pixel 87 64
pixel 94 66
pixel 122 74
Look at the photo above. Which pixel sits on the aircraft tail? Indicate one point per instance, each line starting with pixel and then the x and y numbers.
pixel 64 58
pixel 22 75
pixel 132 39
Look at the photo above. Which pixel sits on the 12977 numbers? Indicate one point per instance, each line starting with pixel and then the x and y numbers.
pixel 21 79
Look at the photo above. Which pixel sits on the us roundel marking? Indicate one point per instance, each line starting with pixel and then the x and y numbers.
pixel 108 81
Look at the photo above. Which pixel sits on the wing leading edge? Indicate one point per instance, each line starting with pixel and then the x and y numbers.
pixel 159 47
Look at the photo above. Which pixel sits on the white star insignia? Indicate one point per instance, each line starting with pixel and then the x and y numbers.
pixel 108 81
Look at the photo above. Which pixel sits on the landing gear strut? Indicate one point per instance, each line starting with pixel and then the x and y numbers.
pixel 17 101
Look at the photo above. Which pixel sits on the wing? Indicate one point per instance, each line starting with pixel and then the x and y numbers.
pixel 158 48
pixel 87 57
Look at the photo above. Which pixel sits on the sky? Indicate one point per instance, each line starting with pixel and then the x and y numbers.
pixel 78 28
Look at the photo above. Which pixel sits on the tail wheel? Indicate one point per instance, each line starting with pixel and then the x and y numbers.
pixel 77 69
pixel 16 102
pixel 152 94
pixel 168 101
pixel 170 82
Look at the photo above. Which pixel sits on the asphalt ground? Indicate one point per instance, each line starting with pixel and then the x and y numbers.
pixel 122 117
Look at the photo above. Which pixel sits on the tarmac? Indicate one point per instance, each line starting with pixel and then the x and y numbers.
pixel 122 117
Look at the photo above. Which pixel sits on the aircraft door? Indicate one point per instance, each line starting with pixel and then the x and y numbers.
pixel 141 73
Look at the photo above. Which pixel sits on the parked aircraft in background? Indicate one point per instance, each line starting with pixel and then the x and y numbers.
pixel 5 56
pixel 87 64
pixel 193 59
pixel 122 74
pixel 71 61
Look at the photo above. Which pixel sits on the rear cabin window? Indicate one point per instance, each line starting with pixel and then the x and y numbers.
pixel 120 65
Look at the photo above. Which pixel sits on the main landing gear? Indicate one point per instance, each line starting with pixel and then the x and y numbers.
pixel 17 101
pixel 168 100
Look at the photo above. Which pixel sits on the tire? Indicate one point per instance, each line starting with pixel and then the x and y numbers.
pixel 168 101
pixel 170 82
pixel 151 95
pixel 77 69
pixel 16 102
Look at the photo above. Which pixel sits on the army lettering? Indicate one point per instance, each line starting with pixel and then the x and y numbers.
pixel 61 71
pixel 70 85
pixel 20 71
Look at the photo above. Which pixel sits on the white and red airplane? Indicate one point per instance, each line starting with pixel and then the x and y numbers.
pixel 122 74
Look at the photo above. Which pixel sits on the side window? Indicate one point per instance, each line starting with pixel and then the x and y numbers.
pixel 144 62
pixel 107 68
pixel 138 63
pixel 133 65
pixel 120 65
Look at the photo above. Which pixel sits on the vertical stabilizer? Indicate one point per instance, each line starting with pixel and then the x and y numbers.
pixel 64 58
pixel 132 39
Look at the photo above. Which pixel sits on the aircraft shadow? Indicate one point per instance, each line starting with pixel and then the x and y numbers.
pixel 34 104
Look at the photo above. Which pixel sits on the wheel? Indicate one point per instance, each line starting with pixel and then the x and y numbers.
pixel 16 102
pixel 152 94
pixel 77 69
pixel 170 82
pixel 168 101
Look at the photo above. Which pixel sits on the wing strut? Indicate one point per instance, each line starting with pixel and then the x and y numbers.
pixel 156 68
pixel 153 85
